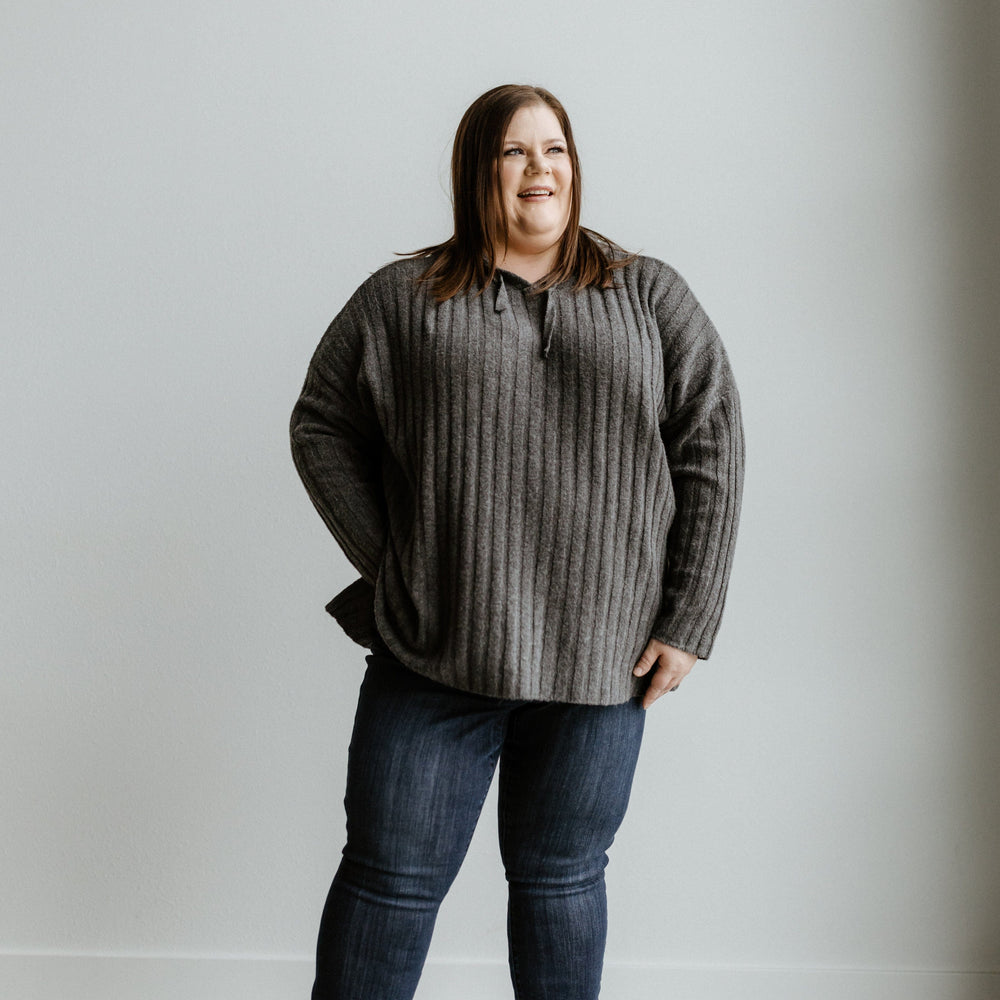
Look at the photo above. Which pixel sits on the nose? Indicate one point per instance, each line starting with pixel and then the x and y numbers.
pixel 538 163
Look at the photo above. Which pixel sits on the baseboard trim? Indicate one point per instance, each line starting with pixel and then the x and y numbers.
pixel 57 976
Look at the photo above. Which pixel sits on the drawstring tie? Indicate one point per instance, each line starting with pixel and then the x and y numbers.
pixel 502 303
pixel 548 321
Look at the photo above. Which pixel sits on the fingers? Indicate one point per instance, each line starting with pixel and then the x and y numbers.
pixel 645 663
pixel 669 665
pixel 657 687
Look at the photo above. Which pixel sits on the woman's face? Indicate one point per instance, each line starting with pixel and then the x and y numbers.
pixel 536 179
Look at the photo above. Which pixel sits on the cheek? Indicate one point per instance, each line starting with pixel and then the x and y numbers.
pixel 567 184
pixel 510 178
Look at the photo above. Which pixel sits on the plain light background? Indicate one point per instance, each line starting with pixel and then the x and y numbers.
pixel 193 189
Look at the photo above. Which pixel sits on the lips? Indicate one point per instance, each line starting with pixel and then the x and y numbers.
pixel 536 192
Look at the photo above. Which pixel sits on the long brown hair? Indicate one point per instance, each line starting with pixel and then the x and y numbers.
pixel 467 259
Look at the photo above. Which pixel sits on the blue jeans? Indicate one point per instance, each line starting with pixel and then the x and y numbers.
pixel 421 761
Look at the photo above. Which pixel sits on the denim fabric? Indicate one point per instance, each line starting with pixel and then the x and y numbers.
pixel 421 761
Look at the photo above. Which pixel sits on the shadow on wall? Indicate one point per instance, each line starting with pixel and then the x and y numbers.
pixel 975 470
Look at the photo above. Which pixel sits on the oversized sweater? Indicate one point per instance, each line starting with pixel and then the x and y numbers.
pixel 530 485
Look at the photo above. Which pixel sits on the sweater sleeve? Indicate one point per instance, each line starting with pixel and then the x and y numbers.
pixel 336 440
pixel 702 434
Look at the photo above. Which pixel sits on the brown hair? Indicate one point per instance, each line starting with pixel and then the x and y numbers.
pixel 468 258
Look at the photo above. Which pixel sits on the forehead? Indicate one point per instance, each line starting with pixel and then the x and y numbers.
pixel 534 120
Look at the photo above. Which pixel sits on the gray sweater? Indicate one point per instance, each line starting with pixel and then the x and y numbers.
pixel 530 485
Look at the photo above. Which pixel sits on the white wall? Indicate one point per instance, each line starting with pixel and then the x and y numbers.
pixel 192 189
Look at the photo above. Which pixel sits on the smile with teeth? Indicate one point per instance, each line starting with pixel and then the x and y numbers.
pixel 536 192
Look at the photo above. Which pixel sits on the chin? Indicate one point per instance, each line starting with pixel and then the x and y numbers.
pixel 538 229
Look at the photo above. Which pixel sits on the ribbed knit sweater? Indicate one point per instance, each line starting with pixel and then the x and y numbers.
pixel 531 485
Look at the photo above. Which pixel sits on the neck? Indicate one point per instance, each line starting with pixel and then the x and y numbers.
pixel 530 265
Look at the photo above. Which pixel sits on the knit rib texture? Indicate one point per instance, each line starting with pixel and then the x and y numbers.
pixel 530 485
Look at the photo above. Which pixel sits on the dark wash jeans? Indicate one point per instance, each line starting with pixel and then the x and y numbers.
pixel 421 760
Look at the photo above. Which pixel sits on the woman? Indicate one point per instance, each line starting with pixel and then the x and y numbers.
pixel 528 443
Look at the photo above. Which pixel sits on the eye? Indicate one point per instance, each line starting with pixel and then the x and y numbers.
pixel 512 151
pixel 557 149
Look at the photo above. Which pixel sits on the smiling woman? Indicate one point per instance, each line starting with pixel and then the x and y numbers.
pixel 544 538
pixel 508 139
pixel 537 185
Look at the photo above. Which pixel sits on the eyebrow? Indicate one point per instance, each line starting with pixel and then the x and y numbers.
pixel 521 142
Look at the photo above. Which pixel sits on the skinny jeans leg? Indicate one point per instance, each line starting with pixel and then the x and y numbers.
pixel 565 779
pixel 421 760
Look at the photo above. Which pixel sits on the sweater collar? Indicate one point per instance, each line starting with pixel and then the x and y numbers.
pixel 501 302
